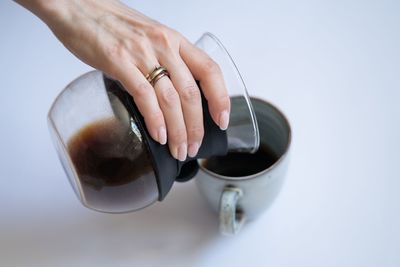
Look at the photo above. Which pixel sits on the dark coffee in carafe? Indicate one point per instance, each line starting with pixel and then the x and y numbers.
pixel 109 158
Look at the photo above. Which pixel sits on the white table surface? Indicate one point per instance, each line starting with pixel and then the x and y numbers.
pixel 332 66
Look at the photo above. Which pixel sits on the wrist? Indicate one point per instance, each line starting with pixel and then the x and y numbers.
pixel 46 10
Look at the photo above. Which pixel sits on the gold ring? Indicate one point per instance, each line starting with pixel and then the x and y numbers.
pixel 156 74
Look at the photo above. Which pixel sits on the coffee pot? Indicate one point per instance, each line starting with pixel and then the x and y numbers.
pixel 107 153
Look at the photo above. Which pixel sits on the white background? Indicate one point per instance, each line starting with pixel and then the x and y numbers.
pixel 332 66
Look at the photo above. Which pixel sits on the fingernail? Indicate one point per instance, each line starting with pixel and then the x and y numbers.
pixel 224 120
pixel 182 152
pixel 193 149
pixel 162 135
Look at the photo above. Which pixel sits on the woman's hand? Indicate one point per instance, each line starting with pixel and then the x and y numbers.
pixel 127 45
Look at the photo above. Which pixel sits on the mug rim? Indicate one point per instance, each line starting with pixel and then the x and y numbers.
pixel 276 163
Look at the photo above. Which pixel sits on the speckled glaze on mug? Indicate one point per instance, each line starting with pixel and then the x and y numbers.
pixel 237 199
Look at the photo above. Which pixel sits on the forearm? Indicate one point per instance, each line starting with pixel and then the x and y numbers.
pixel 57 13
pixel 42 8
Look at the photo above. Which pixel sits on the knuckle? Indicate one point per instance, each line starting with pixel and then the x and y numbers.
pixel 222 102
pixel 211 67
pixel 179 135
pixel 196 132
pixel 156 116
pixel 191 94
pixel 141 45
pixel 160 35
pixel 112 70
pixel 114 51
pixel 169 96
pixel 142 90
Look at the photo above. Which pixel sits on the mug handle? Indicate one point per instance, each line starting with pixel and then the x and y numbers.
pixel 231 219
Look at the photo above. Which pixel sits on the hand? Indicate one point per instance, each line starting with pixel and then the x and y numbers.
pixel 127 45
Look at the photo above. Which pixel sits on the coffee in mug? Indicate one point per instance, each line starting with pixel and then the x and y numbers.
pixel 240 186
pixel 241 164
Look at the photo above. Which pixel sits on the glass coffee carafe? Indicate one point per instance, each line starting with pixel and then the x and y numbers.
pixel 107 153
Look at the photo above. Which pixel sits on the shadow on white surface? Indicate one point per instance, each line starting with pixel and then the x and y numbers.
pixel 178 229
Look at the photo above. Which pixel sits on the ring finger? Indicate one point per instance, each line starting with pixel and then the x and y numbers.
pixel 190 100
pixel 168 100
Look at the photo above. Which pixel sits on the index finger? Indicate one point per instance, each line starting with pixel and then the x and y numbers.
pixel 212 83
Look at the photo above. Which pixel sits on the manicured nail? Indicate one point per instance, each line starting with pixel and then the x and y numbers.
pixel 224 120
pixel 162 135
pixel 182 152
pixel 193 149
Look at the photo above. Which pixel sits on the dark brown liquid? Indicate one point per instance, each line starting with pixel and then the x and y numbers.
pixel 106 154
pixel 241 164
pixel 113 167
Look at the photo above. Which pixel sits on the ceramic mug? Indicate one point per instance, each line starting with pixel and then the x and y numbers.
pixel 238 199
